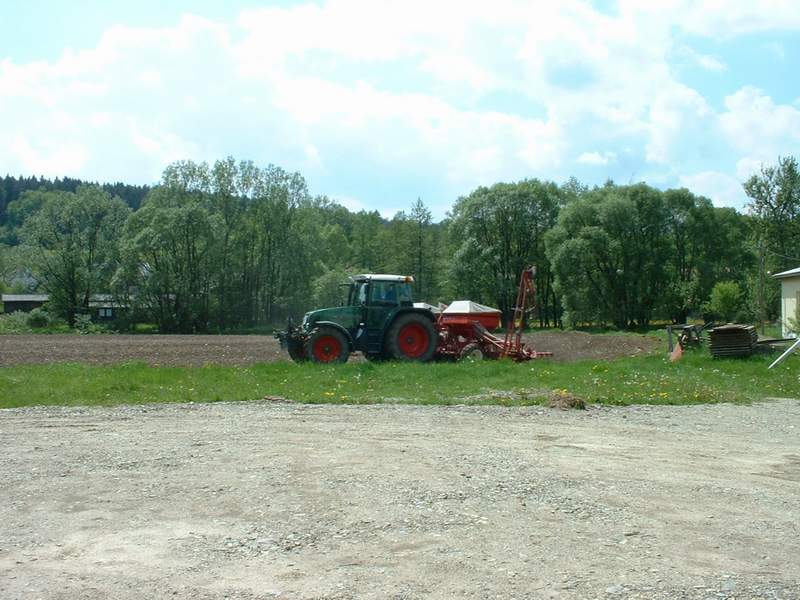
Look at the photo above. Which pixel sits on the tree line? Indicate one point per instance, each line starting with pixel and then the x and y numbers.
pixel 231 245
pixel 13 188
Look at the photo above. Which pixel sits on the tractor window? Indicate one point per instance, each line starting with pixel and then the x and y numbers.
pixel 358 294
pixel 383 293
pixel 404 293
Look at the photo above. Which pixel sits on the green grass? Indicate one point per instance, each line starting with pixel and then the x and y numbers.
pixel 641 380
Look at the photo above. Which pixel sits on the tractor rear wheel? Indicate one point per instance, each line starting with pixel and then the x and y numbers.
pixel 472 352
pixel 327 345
pixel 411 337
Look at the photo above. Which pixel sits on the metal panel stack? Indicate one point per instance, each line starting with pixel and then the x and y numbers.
pixel 733 340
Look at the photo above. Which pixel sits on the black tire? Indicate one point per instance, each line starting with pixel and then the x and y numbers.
pixel 327 345
pixel 472 352
pixel 412 337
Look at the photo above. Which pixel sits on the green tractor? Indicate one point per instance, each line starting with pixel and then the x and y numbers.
pixel 379 319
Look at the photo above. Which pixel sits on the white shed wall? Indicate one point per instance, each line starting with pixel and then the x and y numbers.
pixel 790 290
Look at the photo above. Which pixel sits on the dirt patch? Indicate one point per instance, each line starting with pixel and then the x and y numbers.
pixel 240 350
pixel 263 500
pixel 568 346
pixel 157 350
pixel 563 400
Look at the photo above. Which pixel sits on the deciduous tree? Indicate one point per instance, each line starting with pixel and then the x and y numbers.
pixel 73 244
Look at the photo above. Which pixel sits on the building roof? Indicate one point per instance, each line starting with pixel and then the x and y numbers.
pixel 25 297
pixel 95 301
pixel 789 273
pixel 383 277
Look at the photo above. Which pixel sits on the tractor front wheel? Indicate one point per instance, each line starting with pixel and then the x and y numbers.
pixel 327 345
pixel 411 337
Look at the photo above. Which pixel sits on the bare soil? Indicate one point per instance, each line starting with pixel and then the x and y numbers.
pixel 157 350
pixel 569 346
pixel 195 350
pixel 264 500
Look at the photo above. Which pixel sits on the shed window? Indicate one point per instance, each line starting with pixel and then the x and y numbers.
pixel 105 313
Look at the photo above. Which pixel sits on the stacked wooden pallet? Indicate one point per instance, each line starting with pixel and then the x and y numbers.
pixel 733 340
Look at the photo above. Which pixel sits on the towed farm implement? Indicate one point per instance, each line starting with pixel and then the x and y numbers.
pixel 382 321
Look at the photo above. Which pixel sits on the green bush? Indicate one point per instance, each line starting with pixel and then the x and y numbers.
pixel 36 321
pixel 793 323
pixel 84 324
pixel 38 318
pixel 16 322
pixel 725 301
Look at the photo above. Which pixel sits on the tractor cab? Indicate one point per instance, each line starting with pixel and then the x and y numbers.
pixel 380 320
pixel 381 290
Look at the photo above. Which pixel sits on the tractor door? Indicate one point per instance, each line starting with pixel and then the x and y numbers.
pixel 384 300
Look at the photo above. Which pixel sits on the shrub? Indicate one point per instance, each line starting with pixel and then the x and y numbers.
pixel 38 319
pixel 16 322
pixel 84 324
pixel 793 324
pixel 725 301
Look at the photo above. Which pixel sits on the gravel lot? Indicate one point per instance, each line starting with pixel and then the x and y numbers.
pixel 266 500
pixel 197 350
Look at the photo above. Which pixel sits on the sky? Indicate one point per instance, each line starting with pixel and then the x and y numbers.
pixel 378 103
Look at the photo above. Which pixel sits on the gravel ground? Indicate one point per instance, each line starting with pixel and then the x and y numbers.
pixel 267 500
pixel 196 350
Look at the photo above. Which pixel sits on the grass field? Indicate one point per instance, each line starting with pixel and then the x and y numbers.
pixel 643 380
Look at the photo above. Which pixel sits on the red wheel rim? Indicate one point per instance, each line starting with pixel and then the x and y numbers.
pixel 414 340
pixel 327 348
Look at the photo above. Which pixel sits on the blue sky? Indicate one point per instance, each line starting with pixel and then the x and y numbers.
pixel 378 102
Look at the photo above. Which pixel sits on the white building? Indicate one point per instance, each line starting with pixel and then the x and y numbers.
pixel 790 297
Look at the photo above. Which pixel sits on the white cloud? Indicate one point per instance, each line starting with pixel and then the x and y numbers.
pixel 710 63
pixel 754 124
pixel 313 159
pixel 717 18
pixel 597 158
pixel 404 91
pixel 48 159
pixel 676 112
pixel 748 166
pixel 721 188
pixel 704 61
pixel 458 69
